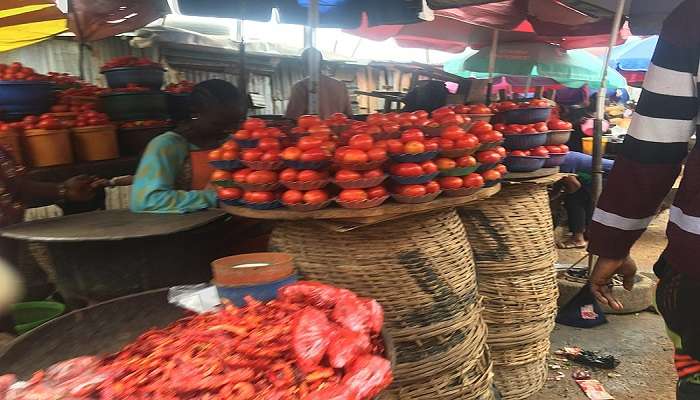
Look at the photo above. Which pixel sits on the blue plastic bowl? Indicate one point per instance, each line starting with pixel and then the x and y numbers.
pixel 262 206
pixel 485 167
pixel 121 77
pixel 247 144
pixel 236 202
pixel 315 165
pixel 524 163
pixel 526 116
pixel 261 292
pixel 524 141
pixel 555 160
pixel 414 180
pixel 413 158
pixel 21 98
pixel 226 165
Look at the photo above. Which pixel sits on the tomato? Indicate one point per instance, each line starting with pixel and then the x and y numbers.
pixel 350 195
pixel 429 167
pixel 376 119
pixel 445 164
pixel 473 180
pixel 291 153
pixel 292 197
pixel 501 169
pixel 394 146
pixel 220 175
pixel 541 127
pixel 518 153
pixel 309 142
pixel 481 128
pixel 488 157
pixel 480 109
pixel 491 175
pixel 411 190
pixel 447 144
pixel 242 134
pixel 451 182
pixel 421 114
pixel 328 146
pixel 261 177
pixel 268 143
pixel 49 124
pixel 413 134
pixel 361 141
pixel 540 151
pixel 314 155
pixel 355 156
pixel 559 125
pixel 452 132
pixel 414 147
pixel 373 173
pixel 251 154
pixel 30 119
pixel 564 148
pixel 252 124
pixel 340 153
pixel 345 175
pixel 407 169
pixel 338 117
pixel 469 141
pixel 259 133
pixel 229 193
pixel 376 192
pixel 500 150
pixel 259 197
pixel 506 105
pixel 229 145
pixel 316 196
pixel 529 130
pixel 539 103
pixel 288 175
pixel 442 112
pixel 499 127
pixel 466 161
pixel 229 155
pixel 432 187
pixel 310 175
pixel 214 155
pixel 271 155
pixel 461 109
pixel 391 127
pixel 432 144
pixel 451 120
pixel 59 108
pixel 376 154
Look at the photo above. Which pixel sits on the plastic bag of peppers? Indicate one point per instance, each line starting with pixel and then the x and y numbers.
pixel 314 342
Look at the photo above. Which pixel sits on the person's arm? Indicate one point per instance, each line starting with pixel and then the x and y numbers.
pixel 154 183
pixel 298 100
pixel 652 153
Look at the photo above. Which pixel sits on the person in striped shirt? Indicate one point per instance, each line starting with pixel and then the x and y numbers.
pixel 651 160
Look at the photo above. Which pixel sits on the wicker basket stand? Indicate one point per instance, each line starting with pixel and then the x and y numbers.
pixel 512 238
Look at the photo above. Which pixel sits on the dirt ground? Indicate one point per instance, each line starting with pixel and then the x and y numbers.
pixel 638 340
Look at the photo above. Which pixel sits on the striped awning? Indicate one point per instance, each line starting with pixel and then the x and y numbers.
pixel 25 22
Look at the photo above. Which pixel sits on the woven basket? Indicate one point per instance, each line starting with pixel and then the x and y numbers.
pixel 522 381
pixel 519 334
pixel 513 227
pixel 519 355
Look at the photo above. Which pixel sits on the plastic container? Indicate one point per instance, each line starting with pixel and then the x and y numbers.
pixel 264 165
pixel 262 292
pixel 11 140
pixel 480 117
pixel 460 192
pixel 252 268
pixel 524 163
pixel 363 204
pixel 456 153
pixel 558 137
pixel 227 165
pixel 587 145
pixel 399 198
pixel 555 160
pixel 463 171
pixel 133 141
pixel 21 98
pixel 361 166
pixel 135 106
pixel 271 205
pixel 308 185
pixel 95 143
pixel 121 77
pixel 524 141
pixel 363 183
pixel 413 158
pixel 179 106
pixel 255 187
pixel 525 115
pixel 315 165
pixel 414 180
pixel 306 207
pixel 30 315
pixel 46 148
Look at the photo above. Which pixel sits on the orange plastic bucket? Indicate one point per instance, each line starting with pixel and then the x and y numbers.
pixel 12 141
pixel 48 147
pixel 94 143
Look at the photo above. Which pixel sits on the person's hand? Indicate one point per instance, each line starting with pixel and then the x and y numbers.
pixel 80 188
pixel 601 279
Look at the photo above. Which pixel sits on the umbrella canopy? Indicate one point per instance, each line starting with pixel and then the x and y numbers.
pixel 634 55
pixel 25 22
pixel 333 13
pixel 569 68
pixel 98 19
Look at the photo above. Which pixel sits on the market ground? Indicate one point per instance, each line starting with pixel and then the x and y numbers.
pixel 638 340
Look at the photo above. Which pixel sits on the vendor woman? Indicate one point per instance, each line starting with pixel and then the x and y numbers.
pixel 173 169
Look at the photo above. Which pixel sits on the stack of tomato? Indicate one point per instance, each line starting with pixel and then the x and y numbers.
pixel 508 105
pixel 45 121
pixel 18 72
pixel 129 61
pixel 91 118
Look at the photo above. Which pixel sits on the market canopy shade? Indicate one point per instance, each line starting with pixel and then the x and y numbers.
pixel 92 20
pixel 569 68
pixel 25 22
pixel 634 55
pixel 333 13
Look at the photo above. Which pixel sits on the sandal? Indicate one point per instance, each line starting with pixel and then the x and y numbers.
pixel 571 245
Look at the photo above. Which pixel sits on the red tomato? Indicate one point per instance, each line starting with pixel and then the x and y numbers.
pixel 376 154
pixel 442 112
pixel 432 144
pixel 309 142
pixel 558 125
pixel 376 119
pixel 394 146
pixel 229 145
pixel 355 156
pixel 229 155
pixel 540 151
pixel 412 135
pixel 307 121
pixel 267 144
pixel 288 175
pixel 481 128
pixel 242 134
pixel 518 153
pixel 350 195
pixel 466 161
pixel 469 141
pixel 316 196
pixel 292 197
pixel 220 175
pixel 491 175
pixel 421 114
pixel 340 153
pixel 407 169
pixel 229 193
pixel 261 177
pixel 310 175
pixel 411 190
pixel 461 109
pixel 488 157
pixel 529 130
pixel 541 127
pixel 259 133
pixel 251 154
pixel 259 197
pixel 313 155
pixel 429 167
pixel 291 153
pixel 328 146
pixel 501 169
pixel 499 127
pixel 500 150
pixel 480 109
pixel 319 130
pixel 414 147
pixel 432 187
pixel 391 127
pixel 453 132
pixel 271 155
pixel 361 141
pixel 345 175
pixel 373 173
pixel 445 164
pixel 473 180
pixel 338 117
pixel 451 120
pixel 252 124
pixel 376 192
pixel 447 144
pixel 451 182
pixel 564 148
pixel 215 155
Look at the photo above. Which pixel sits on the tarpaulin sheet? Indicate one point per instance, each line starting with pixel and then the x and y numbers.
pixel 28 21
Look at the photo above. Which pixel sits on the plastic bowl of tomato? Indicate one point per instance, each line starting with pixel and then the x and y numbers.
pixel 555 160
pixel 524 163
pixel 525 115
pixel 301 165
pixel 414 180
pixel 270 205
pixel 363 183
pixel 413 158
pixel 362 204
pixel 401 198
pixel 558 137
pixel 306 207
pixel 524 141
pixel 148 76
pixel 226 165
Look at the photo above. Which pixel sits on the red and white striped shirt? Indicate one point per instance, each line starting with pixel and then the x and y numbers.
pixel 653 152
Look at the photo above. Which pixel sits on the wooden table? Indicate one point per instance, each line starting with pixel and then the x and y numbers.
pixel 106 254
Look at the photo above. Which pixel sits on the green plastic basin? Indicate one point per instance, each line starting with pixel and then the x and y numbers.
pixel 29 315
